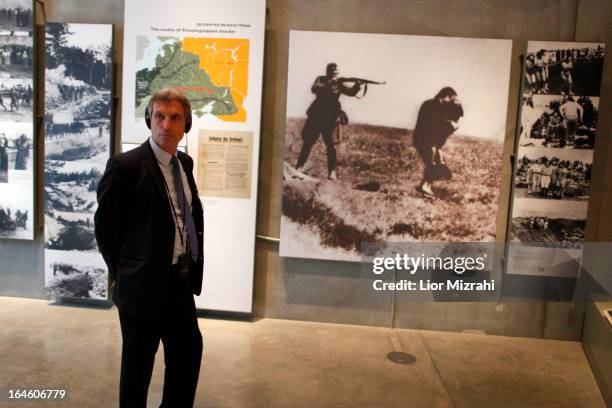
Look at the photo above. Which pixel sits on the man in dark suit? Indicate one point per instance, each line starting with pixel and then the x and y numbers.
pixel 149 226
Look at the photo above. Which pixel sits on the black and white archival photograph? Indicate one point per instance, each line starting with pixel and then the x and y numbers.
pixel 540 221
pixel 16 59
pixel 16 86
pixel 16 153
pixel 564 68
pixel 556 174
pixel 77 145
pixel 391 138
pixel 559 121
pixel 16 15
pixel 76 274
pixel 16 211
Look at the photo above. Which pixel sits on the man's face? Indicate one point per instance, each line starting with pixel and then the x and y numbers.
pixel 168 124
pixel 448 98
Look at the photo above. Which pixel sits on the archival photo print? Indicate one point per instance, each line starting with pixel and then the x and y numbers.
pixel 540 221
pixel 16 15
pixel 16 211
pixel 554 174
pixel 76 274
pixel 564 68
pixel 391 138
pixel 16 88
pixel 78 79
pixel 559 121
pixel 16 153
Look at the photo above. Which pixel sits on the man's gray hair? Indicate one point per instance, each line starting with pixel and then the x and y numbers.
pixel 167 95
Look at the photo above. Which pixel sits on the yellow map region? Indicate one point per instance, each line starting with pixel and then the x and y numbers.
pixel 226 60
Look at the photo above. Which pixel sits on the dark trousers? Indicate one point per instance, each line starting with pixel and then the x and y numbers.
pixel 177 328
pixel 310 133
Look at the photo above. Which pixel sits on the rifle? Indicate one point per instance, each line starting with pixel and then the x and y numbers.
pixel 361 81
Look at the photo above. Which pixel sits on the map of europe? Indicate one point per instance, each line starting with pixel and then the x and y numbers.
pixel 211 72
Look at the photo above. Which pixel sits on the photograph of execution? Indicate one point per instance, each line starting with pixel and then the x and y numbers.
pixel 553 174
pixel 77 145
pixel 559 121
pixel 16 153
pixel 542 221
pixel 16 211
pixel 572 68
pixel 16 15
pixel 381 146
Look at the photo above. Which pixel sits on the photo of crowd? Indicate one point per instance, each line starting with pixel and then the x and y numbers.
pixel 16 15
pixel 574 69
pixel 552 178
pixel 559 121
pixel 16 58
pixel 16 88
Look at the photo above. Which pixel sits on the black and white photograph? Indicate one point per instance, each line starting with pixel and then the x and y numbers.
pixel 16 15
pixel 77 145
pixel 539 221
pixel 559 121
pixel 16 59
pixel 556 174
pixel 16 86
pixel 559 68
pixel 75 274
pixel 391 138
pixel 16 211
pixel 16 153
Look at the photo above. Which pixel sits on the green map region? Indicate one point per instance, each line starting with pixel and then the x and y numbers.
pixel 178 69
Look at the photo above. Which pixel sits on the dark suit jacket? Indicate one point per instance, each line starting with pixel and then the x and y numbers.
pixel 135 230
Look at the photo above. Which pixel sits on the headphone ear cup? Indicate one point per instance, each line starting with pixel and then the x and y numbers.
pixel 148 117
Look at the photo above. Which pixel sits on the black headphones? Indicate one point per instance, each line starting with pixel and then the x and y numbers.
pixel 148 120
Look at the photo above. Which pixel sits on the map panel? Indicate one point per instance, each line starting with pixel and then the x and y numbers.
pixel 212 72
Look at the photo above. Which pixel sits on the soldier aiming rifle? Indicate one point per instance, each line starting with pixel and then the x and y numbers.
pixel 325 114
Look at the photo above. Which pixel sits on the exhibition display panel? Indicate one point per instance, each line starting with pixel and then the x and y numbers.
pixel 212 52
pixel 402 143
pixel 17 216
pixel 554 157
pixel 77 127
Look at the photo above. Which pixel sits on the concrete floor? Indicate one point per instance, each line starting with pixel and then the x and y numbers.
pixel 279 363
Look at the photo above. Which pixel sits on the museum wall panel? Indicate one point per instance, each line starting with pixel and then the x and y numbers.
pixel 336 291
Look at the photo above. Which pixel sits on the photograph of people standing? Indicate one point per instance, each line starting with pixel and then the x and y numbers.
pixel 438 118
pixel 324 115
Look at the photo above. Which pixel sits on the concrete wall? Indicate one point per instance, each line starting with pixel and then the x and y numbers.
pixel 338 291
